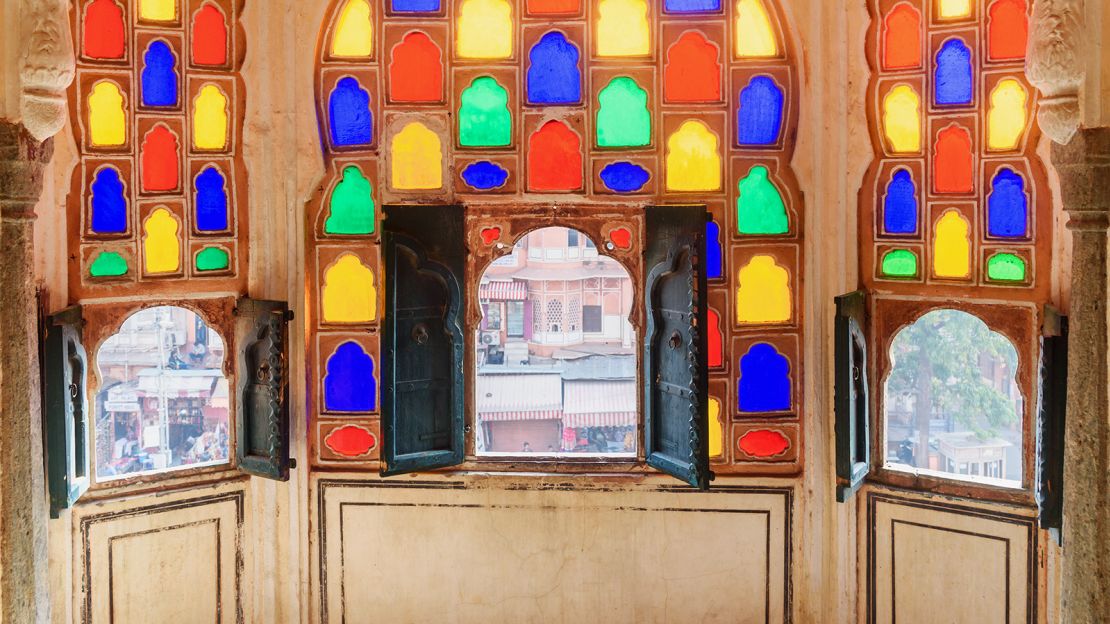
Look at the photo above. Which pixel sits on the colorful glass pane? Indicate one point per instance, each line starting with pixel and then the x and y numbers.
pixel 554 7
pixel 899 263
pixel 159 77
pixel 354 31
pixel 624 177
pixel 623 118
pixel 760 209
pixel 1008 205
pixel 161 245
pixel 716 429
pixel 693 158
pixel 1008 31
pixel 693 70
pixel 764 380
pixel 902 119
pixel 352 122
pixel 484 117
pixel 951 9
pixel 623 28
pixel 158 10
pixel 954 81
pixel 349 292
pixel 107 119
pixel 553 73
pixel 554 159
pixel 417 158
pixel 416 73
pixel 1006 118
pixel 108 264
pixel 485 175
pixel 692 6
pixel 213 259
pixel 211 201
pixel 351 210
pixel 953 162
pixel 763 293
pixel 349 385
pixel 900 204
pixel 485 29
pixel 104 30
pixel 755 36
pixel 415 6
pixel 902 38
pixel 952 247
pixel 714 256
pixel 763 443
pixel 716 355
pixel 759 114
pixel 1006 267
pixel 210 119
pixel 209 36
pixel 160 168
pixel 109 206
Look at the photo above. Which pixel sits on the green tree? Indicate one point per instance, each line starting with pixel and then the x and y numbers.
pixel 938 363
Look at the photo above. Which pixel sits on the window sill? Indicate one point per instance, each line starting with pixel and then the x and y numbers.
pixel 934 484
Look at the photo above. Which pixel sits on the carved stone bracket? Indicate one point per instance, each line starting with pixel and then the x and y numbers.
pixel 46 67
pixel 1055 65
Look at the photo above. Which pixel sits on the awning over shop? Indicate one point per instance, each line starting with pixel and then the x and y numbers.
pixel 502 291
pixel 178 383
pixel 600 404
pixel 519 397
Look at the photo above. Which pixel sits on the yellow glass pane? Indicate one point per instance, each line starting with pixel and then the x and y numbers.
pixel 755 37
pixel 210 119
pixel 902 119
pixel 693 160
pixel 349 292
pixel 161 247
pixel 416 156
pixel 763 295
pixel 158 10
pixel 107 120
pixel 952 247
pixel 485 29
pixel 951 9
pixel 623 28
pixel 1006 118
pixel 354 31
pixel 716 429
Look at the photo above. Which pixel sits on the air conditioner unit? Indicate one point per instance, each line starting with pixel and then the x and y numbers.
pixel 491 338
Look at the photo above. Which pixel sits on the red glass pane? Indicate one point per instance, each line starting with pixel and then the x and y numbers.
pixel 716 350
pixel 1009 29
pixel 351 441
pixel 159 160
pixel 952 161
pixel 209 37
pixel 763 443
pixel 416 71
pixel 902 38
pixel 559 7
pixel 693 73
pixel 554 159
pixel 104 30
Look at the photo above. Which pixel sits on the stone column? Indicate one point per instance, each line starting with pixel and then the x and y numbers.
pixel 1084 168
pixel 24 587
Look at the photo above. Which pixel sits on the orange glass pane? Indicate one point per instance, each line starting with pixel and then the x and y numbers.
pixel 104 30
pixel 554 159
pixel 1009 30
pixel 693 72
pixel 159 158
pixel 554 7
pixel 902 38
pixel 416 70
pixel 953 165
pixel 209 37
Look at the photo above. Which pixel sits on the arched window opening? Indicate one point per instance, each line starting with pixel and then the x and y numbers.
pixel 564 384
pixel 163 401
pixel 951 401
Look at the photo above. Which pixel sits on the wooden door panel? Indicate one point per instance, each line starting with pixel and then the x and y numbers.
pixel 174 558
pixel 933 561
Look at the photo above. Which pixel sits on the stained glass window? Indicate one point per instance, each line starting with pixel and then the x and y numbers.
pixel 592 103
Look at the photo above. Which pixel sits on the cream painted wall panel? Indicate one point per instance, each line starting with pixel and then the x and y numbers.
pixel 932 563
pixel 456 553
pixel 175 558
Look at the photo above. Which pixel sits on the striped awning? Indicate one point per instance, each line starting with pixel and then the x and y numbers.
pixel 519 415
pixel 600 419
pixel 600 404
pixel 503 291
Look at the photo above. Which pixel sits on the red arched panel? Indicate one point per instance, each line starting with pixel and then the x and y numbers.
pixel 159 160
pixel 902 38
pixel 953 166
pixel 104 31
pixel 416 70
pixel 555 7
pixel 554 159
pixel 716 349
pixel 693 71
pixel 1009 30
pixel 209 37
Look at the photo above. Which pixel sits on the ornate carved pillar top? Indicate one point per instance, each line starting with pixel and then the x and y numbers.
pixel 1055 64
pixel 22 158
pixel 1083 165
pixel 46 67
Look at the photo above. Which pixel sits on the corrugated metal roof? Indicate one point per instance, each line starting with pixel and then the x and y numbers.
pixel 517 393
pixel 588 397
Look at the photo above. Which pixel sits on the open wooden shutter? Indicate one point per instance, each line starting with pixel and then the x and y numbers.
pixel 676 380
pixel 423 413
pixel 262 396
pixel 65 408
pixel 852 395
pixel 1051 420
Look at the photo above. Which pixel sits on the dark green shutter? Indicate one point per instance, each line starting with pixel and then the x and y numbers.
pixel 1051 417
pixel 852 401
pixel 262 396
pixel 676 381
pixel 423 415
pixel 65 408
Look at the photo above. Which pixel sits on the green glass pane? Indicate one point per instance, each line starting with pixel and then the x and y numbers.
pixel 213 259
pixel 759 208
pixel 108 264
pixel 352 205
pixel 1006 268
pixel 484 119
pixel 900 263
pixel 623 119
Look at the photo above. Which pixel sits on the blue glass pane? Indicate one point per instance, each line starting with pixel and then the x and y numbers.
pixel 415 6
pixel 211 201
pixel 691 6
pixel 900 207
pixel 1008 207
pixel 158 77
pixel 349 110
pixel 109 208
pixel 759 117
pixel 553 74
pixel 624 177
pixel 713 250
pixel 349 385
pixel 954 81
pixel 764 380
pixel 485 175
